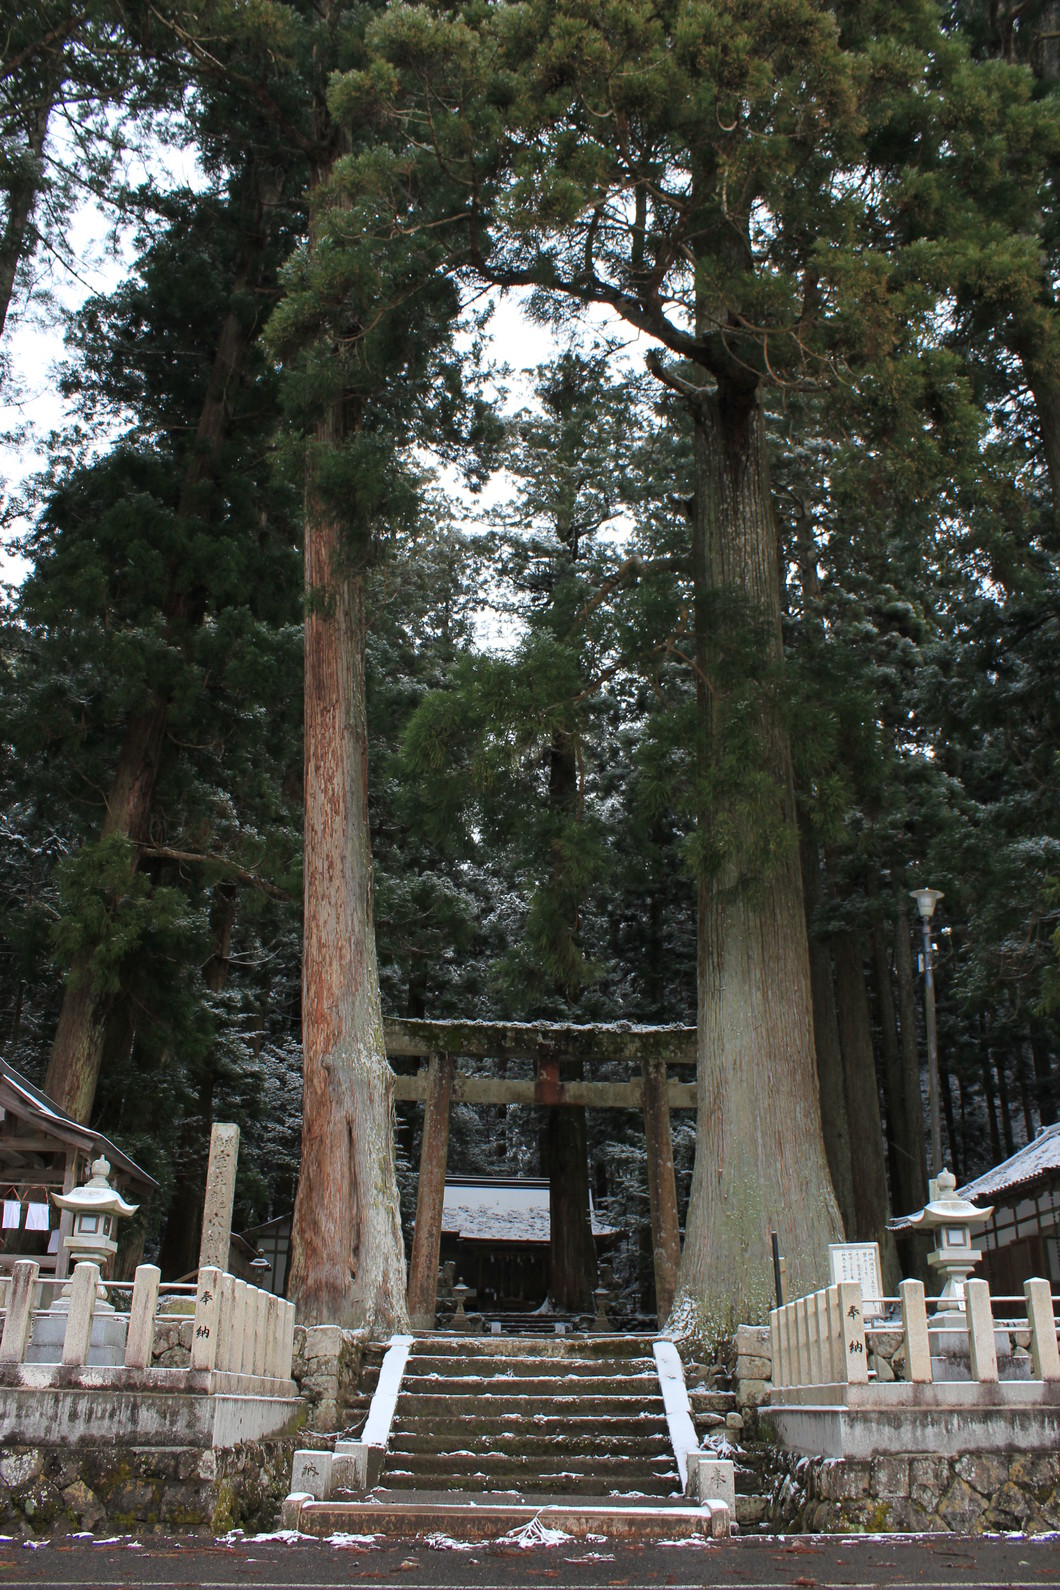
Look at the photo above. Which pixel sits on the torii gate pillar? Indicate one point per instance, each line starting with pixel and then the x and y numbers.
pixel 430 1195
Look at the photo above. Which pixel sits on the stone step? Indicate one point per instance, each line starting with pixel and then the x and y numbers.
pixel 752 1510
pixel 438 1406
pixel 618 1347
pixel 706 1422
pixel 534 1365
pixel 528 1481
pixel 584 1447
pixel 712 1402
pixel 574 1427
pixel 534 1385
pixel 480 1519
pixel 487 1462
pixel 537 1384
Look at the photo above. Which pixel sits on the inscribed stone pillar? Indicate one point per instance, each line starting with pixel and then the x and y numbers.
pixel 220 1195
pixel 662 1184
pixel 427 1235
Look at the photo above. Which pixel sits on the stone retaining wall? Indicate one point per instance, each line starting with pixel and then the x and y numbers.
pixel 326 1366
pixel 50 1489
pixel 970 1494
pixel 752 1367
pixel 326 1369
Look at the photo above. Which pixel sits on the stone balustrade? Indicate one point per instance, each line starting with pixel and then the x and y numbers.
pixel 822 1339
pixel 237 1329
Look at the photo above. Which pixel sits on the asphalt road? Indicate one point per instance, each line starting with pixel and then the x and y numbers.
pixel 774 1563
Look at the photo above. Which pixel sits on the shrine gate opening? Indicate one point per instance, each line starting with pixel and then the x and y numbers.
pixel 555 1051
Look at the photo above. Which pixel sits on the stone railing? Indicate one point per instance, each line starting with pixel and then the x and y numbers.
pixel 823 1339
pixel 237 1329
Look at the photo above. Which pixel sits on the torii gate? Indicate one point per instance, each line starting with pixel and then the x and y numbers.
pixel 649 1049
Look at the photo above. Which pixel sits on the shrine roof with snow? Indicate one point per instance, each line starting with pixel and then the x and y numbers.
pixel 1038 1160
pixel 502 1209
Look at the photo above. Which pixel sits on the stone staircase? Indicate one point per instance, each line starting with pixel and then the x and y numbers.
pixel 549 1417
pixel 357 1403
pixel 719 1422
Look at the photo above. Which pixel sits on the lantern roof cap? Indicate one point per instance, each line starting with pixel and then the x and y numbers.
pixel 97 1195
pixel 947 1207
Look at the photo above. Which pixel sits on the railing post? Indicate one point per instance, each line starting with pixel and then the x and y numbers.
pixel 915 1332
pixel 820 1336
pixel 18 1323
pixel 806 1304
pixel 981 1344
pixel 83 1292
pixel 801 1345
pixel 207 1311
pixel 837 1368
pixel 140 1337
pixel 239 1327
pixel 276 1329
pixel 224 1323
pixel 1045 1356
pixel 289 1318
pixel 261 1331
pixel 852 1324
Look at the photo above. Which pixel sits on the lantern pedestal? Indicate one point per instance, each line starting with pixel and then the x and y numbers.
pixel 95 1208
pixel 107 1345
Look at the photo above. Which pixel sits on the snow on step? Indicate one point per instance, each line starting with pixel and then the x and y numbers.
pixel 550 1417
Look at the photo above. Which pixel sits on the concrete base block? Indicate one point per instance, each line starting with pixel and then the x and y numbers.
pixel 310 1477
pixel 76 1414
pixel 832 1431
pixel 107 1342
pixel 488 1521
pixel 356 1467
pixel 291 1508
pixel 711 1479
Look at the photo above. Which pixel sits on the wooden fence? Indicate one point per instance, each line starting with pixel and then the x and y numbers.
pixel 822 1339
pixel 237 1329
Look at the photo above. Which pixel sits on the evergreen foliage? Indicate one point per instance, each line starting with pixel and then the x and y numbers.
pixel 832 228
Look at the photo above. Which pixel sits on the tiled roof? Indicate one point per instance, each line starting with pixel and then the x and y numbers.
pixel 502 1209
pixel 25 1099
pixel 1039 1158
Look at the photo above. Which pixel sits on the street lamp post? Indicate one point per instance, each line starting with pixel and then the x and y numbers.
pixel 926 900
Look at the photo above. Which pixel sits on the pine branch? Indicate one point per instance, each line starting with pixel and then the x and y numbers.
pixel 223 863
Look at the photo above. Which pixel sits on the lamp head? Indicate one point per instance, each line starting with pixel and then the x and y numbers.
pixel 926 901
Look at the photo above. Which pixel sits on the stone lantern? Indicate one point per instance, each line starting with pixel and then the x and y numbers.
pixel 954 1219
pixel 95 1207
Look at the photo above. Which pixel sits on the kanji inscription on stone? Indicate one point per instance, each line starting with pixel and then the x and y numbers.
pixel 859 1261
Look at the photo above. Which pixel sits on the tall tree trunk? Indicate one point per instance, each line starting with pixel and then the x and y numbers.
pixel 77 1048
pixel 956 1156
pixel 565 1147
pixel 1045 1082
pixel 1045 389
pixel 1003 1100
pixel 23 187
pixel 179 1250
pixel 907 1038
pixel 871 1201
pixel 905 1137
pixel 1020 1060
pixel 760 1157
pixel 834 1122
pixel 347 1255
pixel 990 1099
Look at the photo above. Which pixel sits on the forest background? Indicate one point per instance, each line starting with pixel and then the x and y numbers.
pixel 542 810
